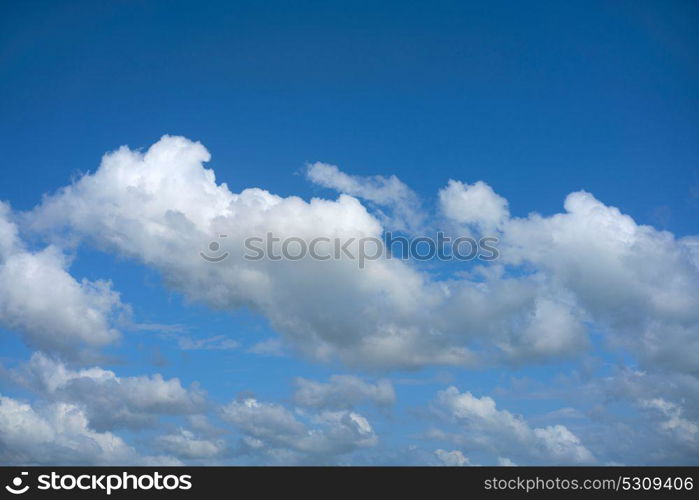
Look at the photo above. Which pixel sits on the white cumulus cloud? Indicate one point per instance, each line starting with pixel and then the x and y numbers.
pixel 52 310
pixel 272 432
pixel 107 400
pixel 60 434
pixel 483 426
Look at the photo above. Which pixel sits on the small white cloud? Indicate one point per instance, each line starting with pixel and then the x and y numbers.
pixel 685 429
pixel 269 347
pixel 185 444
pixel 342 392
pixel 215 343
pixel 389 192
pixel 474 204
pixel 452 458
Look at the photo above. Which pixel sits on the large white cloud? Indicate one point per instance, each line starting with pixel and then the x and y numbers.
pixel 272 433
pixel 482 426
pixel 109 401
pixel 60 434
pixel 589 268
pixel 53 311
pixel 639 284
pixel 162 207
pixel 639 417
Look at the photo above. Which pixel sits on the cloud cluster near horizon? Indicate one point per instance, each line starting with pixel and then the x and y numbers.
pixel 559 278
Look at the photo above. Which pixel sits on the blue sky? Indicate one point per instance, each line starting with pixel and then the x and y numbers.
pixel 536 99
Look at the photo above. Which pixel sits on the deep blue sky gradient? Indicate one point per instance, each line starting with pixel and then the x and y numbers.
pixel 538 99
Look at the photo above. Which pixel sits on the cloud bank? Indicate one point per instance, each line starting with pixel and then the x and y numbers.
pixel 563 282
pixel 591 265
